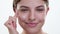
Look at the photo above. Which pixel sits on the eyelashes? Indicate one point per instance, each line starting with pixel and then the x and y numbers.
pixel 24 9
pixel 40 9
pixel 27 10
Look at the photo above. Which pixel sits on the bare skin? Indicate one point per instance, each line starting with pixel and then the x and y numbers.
pixel 38 33
pixel 31 16
pixel 11 25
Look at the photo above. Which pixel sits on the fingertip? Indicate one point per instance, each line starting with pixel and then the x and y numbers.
pixel 15 16
pixel 10 18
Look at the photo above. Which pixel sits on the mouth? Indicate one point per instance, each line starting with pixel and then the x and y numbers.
pixel 31 24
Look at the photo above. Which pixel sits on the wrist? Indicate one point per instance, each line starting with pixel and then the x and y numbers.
pixel 13 32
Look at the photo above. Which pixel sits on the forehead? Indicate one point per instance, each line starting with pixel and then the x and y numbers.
pixel 31 3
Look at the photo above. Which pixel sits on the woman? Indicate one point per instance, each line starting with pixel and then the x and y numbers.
pixel 31 16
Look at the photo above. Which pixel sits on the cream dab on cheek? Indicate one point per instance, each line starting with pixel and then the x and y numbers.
pixel 24 17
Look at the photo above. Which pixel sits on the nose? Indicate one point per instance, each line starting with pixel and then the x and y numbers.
pixel 32 16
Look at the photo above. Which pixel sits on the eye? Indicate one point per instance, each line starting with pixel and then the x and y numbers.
pixel 23 10
pixel 39 9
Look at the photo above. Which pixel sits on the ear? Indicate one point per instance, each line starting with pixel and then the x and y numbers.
pixel 14 9
pixel 47 10
pixel 16 12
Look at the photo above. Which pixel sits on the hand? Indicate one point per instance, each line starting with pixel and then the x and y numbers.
pixel 11 25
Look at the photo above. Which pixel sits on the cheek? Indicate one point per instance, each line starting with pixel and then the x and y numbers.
pixel 22 17
pixel 40 16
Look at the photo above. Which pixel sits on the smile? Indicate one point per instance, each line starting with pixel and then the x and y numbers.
pixel 31 24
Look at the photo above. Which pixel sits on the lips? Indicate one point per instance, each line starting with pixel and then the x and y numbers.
pixel 32 24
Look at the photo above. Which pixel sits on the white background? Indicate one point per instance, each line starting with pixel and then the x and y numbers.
pixel 52 23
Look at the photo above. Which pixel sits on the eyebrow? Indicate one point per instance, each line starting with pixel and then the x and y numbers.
pixel 40 6
pixel 23 7
pixel 28 7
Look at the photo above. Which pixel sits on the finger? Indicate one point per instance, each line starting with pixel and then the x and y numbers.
pixel 8 24
pixel 13 19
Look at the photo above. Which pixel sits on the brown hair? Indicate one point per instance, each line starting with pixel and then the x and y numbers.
pixel 16 1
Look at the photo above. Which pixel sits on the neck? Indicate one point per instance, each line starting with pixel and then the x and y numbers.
pixel 40 32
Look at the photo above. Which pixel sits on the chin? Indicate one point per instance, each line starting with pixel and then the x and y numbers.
pixel 33 30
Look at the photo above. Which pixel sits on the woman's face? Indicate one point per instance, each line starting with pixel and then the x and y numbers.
pixel 31 14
